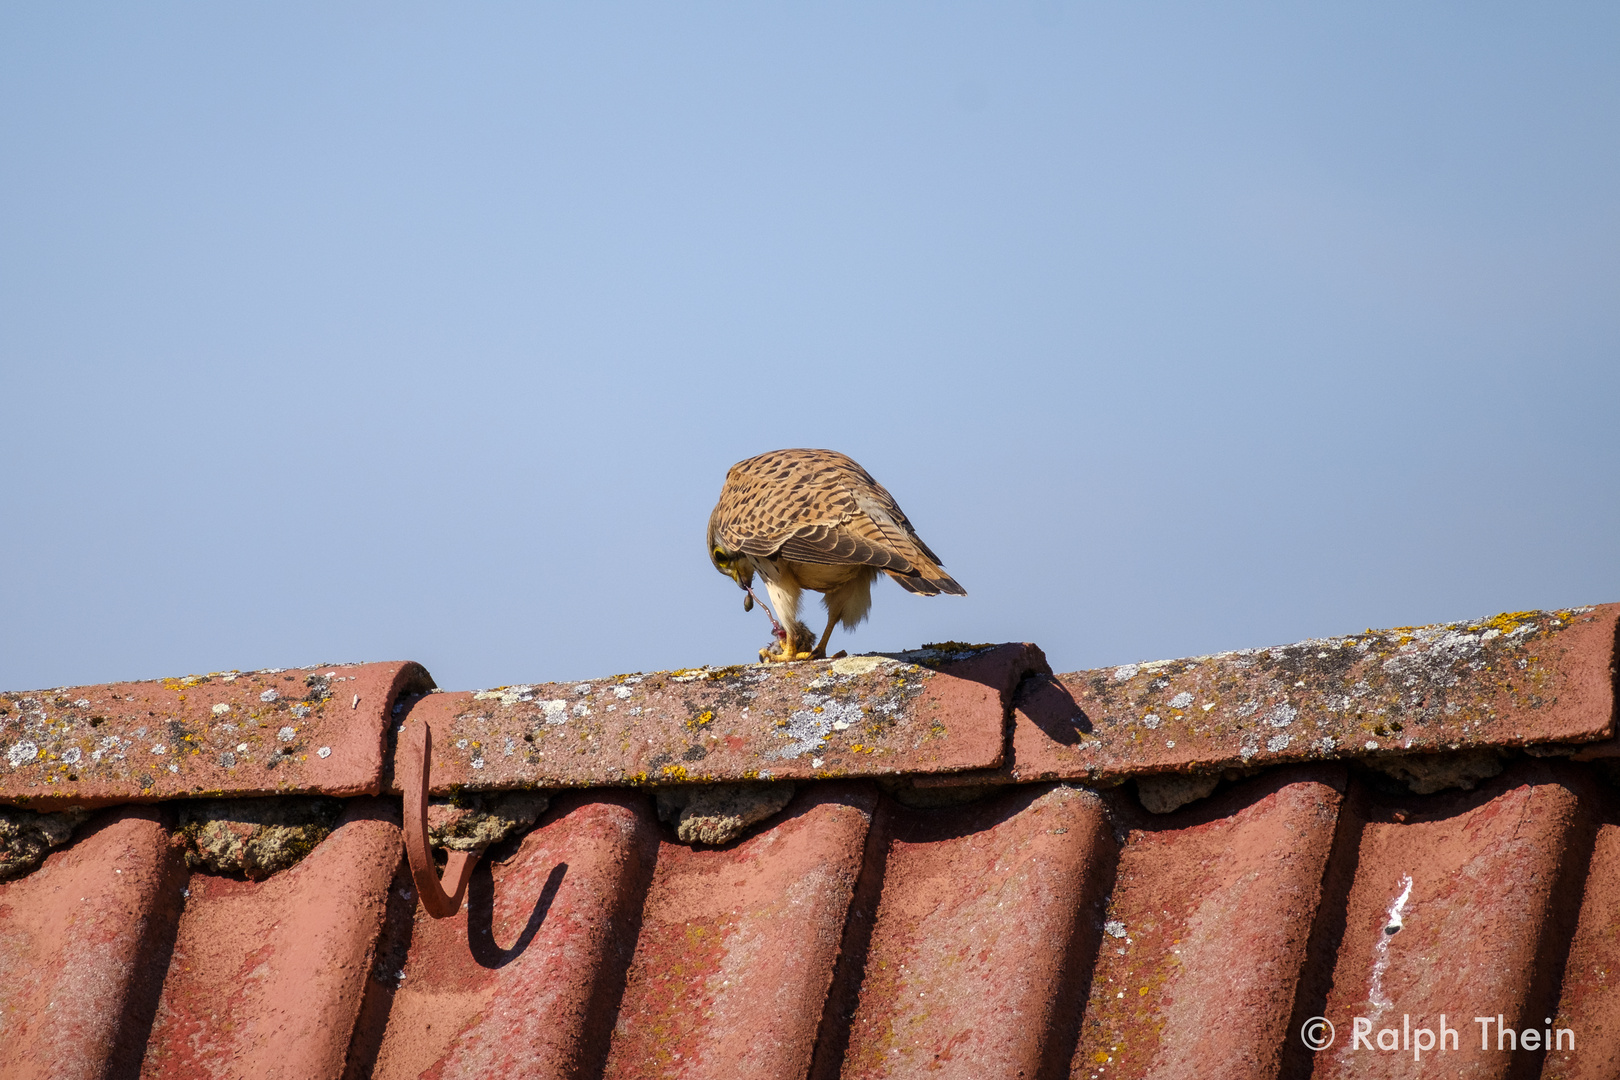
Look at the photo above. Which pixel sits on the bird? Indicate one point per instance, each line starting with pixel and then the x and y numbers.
pixel 814 519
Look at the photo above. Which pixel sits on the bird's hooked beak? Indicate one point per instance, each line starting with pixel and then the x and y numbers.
pixel 737 568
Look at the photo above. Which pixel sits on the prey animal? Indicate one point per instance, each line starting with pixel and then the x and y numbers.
pixel 814 519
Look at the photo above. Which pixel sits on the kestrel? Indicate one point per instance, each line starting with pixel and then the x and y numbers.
pixel 813 519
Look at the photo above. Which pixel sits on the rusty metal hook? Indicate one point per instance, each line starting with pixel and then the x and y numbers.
pixel 417 747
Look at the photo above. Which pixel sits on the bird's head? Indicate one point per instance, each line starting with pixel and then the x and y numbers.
pixel 734 564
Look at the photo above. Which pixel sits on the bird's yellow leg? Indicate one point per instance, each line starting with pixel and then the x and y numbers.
pixel 820 652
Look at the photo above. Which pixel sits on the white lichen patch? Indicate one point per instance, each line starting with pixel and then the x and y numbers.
pixel 1281 715
pixel 809 727
pixel 221 709
pixel 506 695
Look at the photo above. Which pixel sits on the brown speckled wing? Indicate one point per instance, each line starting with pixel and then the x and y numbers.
pixel 819 506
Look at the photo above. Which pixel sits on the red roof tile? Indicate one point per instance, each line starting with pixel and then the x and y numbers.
pixel 982 938
pixel 247 733
pixel 264 978
pixel 1588 1003
pixel 1206 936
pixel 525 979
pixel 966 939
pixel 1432 927
pixel 80 942
pixel 927 711
pixel 737 946
pixel 1516 679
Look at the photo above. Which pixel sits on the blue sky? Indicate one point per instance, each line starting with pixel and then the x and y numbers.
pixel 335 332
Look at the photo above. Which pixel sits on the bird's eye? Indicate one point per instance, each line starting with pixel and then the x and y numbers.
pixel 720 555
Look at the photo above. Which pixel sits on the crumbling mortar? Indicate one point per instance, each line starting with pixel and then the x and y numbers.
pixel 27 837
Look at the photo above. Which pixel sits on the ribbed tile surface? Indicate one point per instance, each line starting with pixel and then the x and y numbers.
pixel 1589 1003
pixel 737 946
pixel 981 937
pixel 1207 933
pixel 265 977
pixel 518 983
pixel 1462 905
pixel 1040 931
pixel 81 950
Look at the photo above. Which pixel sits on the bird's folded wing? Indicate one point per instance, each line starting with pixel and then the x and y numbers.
pixel 844 544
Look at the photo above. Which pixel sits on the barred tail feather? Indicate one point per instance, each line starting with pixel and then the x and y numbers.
pixel 928 584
